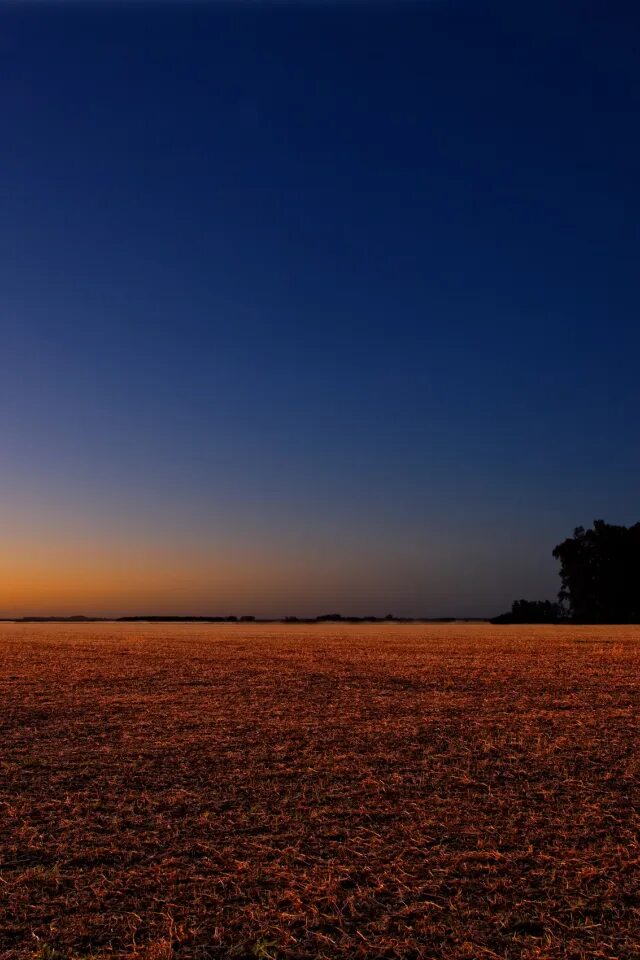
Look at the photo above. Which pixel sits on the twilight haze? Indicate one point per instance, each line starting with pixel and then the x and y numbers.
pixel 316 306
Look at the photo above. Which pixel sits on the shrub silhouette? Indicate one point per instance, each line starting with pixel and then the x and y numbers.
pixel 532 611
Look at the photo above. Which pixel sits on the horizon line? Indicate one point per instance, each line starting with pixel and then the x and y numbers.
pixel 232 618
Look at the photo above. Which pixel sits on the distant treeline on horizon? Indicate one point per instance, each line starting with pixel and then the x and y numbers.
pixel 324 618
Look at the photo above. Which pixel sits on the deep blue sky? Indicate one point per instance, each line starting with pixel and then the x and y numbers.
pixel 314 305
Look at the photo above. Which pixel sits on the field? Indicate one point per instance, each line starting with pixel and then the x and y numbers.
pixel 458 791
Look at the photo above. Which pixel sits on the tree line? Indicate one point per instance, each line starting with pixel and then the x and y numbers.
pixel 600 579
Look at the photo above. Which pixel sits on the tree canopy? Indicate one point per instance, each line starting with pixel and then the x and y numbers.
pixel 600 573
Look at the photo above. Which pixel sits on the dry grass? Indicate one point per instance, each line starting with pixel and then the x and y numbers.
pixel 319 792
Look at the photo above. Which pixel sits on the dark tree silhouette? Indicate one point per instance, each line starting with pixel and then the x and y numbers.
pixel 600 572
pixel 532 611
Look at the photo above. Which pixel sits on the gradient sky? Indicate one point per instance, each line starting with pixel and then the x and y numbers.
pixel 314 306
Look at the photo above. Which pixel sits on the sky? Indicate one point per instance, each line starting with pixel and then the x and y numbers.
pixel 313 306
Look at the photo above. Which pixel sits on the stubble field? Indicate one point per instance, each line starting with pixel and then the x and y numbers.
pixel 458 791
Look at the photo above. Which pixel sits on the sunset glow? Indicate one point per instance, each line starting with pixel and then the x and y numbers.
pixel 339 318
